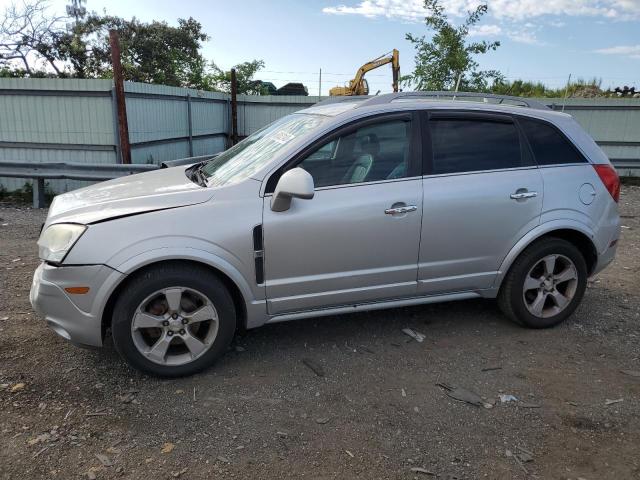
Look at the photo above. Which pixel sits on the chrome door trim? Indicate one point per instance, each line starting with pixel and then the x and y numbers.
pixel 400 210
pixel 523 195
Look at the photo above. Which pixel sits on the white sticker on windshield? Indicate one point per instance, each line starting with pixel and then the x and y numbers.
pixel 282 137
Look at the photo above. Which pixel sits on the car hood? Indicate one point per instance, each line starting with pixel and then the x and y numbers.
pixel 144 192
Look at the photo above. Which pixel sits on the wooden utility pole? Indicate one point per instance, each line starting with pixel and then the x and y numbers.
pixel 234 107
pixel 118 80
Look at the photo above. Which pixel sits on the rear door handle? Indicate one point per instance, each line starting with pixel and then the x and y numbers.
pixel 522 194
pixel 400 210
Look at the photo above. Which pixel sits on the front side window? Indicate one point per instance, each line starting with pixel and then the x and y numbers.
pixel 549 146
pixel 256 151
pixel 371 153
pixel 470 145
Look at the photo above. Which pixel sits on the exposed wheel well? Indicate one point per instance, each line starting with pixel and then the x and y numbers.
pixel 580 241
pixel 238 300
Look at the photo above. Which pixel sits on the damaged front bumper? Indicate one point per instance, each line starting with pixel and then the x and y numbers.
pixel 75 317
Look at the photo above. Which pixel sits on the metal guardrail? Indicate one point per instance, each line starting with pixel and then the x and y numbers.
pixel 187 161
pixel 96 172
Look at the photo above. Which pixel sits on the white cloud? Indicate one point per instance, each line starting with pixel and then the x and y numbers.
pixel 413 10
pixel 632 51
pixel 524 36
pixel 485 31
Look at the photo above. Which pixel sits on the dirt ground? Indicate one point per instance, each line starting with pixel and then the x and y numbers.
pixel 377 412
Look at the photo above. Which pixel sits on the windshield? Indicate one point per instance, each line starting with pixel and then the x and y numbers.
pixel 254 152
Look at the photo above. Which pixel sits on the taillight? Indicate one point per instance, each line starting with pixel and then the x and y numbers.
pixel 610 179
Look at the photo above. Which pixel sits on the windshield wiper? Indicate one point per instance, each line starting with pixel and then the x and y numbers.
pixel 198 175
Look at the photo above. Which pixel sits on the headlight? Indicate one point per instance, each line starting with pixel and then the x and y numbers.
pixel 57 240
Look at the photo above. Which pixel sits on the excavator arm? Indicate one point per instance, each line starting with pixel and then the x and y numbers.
pixel 359 86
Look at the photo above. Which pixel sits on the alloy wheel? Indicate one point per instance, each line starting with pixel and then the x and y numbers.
pixel 550 286
pixel 174 326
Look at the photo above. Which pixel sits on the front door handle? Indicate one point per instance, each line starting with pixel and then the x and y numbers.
pixel 522 194
pixel 400 210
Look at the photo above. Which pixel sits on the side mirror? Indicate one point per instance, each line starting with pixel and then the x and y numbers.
pixel 295 183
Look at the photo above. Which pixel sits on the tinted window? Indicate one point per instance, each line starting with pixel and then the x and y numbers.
pixel 371 153
pixel 464 145
pixel 549 146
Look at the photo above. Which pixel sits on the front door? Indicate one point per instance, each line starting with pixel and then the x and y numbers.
pixel 482 193
pixel 357 239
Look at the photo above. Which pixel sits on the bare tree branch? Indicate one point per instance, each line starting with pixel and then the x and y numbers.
pixel 26 34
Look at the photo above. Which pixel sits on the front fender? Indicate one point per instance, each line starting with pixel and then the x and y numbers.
pixel 532 235
pixel 254 299
pixel 161 254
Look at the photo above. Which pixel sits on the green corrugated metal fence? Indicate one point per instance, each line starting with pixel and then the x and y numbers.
pixel 55 120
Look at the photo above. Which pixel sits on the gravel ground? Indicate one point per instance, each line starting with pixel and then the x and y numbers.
pixel 377 411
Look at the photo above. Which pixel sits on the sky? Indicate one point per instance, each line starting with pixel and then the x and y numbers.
pixel 544 40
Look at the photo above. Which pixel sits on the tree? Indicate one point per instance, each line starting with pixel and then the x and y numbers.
pixel 27 33
pixel 221 80
pixel 151 52
pixel 447 56
pixel 36 44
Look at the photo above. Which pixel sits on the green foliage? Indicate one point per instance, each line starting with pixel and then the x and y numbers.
pixel 580 88
pixel 220 80
pixel 447 55
pixel 154 52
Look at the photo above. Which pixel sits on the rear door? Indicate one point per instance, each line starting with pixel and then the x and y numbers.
pixel 482 193
pixel 357 239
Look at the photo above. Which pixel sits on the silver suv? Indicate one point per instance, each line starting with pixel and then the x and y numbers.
pixel 353 204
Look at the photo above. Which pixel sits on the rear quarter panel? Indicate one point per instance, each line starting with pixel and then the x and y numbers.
pixel 562 201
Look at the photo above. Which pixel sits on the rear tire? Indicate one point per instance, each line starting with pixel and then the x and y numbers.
pixel 545 284
pixel 173 320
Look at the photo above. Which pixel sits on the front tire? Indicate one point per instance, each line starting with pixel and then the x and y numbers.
pixel 173 320
pixel 545 284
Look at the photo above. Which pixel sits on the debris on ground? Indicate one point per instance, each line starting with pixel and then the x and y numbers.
pixel 179 473
pixel 167 447
pixel 104 460
pixel 611 402
pixel 504 398
pixel 521 457
pixel 322 420
pixel 314 366
pixel 490 369
pixel 424 471
pixel 364 348
pixel 417 336
pixel 128 397
pixel 91 473
pixel 462 394
pixel 18 387
pixel 350 454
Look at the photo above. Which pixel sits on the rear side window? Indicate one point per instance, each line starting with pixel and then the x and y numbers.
pixel 549 146
pixel 468 145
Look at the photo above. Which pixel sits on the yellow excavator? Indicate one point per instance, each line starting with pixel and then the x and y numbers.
pixel 359 86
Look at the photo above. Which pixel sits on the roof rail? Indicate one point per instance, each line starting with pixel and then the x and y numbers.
pixel 481 97
pixel 342 99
